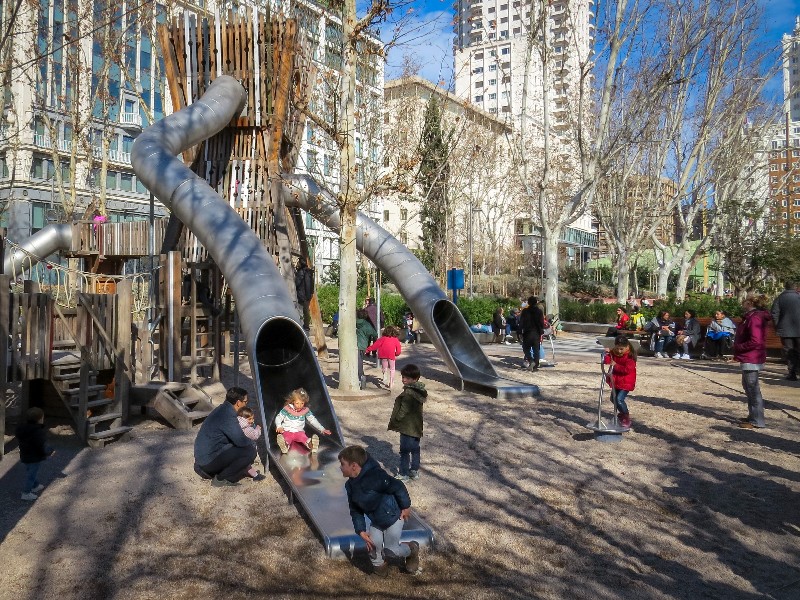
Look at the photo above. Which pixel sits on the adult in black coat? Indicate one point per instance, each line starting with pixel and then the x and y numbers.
pixel 786 316
pixel 304 286
pixel 531 324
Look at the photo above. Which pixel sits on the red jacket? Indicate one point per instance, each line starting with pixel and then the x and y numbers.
pixel 387 347
pixel 749 345
pixel 624 372
pixel 622 322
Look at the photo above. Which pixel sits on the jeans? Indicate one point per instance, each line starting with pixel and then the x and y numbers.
pixel 232 464
pixel 619 401
pixel 791 349
pixel 409 450
pixel 31 473
pixel 663 343
pixel 755 401
pixel 530 348
pixel 388 541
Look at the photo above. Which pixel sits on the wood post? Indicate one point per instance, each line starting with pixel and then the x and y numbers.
pixel 171 325
pixel 124 340
pixel 5 302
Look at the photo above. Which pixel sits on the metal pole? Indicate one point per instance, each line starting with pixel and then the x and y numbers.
pixel 471 209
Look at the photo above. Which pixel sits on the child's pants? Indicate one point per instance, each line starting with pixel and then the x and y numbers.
pixel 387 541
pixel 409 452
pixel 388 364
pixel 619 401
pixel 31 473
pixel 755 401
pixel 295 436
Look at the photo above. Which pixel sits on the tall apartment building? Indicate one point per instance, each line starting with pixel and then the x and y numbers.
pixel 57 112
pixel 319 155
pixel 493 62
pixel 784 157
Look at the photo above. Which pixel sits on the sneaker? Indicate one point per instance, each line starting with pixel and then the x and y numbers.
pixel 30 496
pixel 658 355
pixel 314 443
pixel 412 560
pixel 625 420
pixel 37 489
pixel 413 475
pixel 746 425
pixel 401 477
pixel 362 383
pixel 685 357
pixel 282 444
pixel 380 571
pixel 676 356
pixel 526 364
pixel 216 482
pixel 259 477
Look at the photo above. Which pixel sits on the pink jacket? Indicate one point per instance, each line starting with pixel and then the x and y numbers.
pixel 387 347
pixel 749 345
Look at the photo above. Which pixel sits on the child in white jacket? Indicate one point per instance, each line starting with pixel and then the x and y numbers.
pixel 290 423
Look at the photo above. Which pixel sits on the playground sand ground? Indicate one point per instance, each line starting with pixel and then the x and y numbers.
pixel 523 501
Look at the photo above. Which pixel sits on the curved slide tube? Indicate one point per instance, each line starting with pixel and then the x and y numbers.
pixel 440 318
pixel 36 248
pixel 281 356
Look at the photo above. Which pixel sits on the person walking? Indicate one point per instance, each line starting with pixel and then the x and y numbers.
pixel 750 349
pixel 365 335
pixel 304 286
pixel 531 324
pixel 786 316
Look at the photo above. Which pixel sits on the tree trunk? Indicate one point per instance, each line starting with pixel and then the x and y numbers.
pixel 683 279
pixel 623 267
pixel 550 259
pixel 348 282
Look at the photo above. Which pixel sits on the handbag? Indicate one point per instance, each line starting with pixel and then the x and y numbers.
pixel 680 339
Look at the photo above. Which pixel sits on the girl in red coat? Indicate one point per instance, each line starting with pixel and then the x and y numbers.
pixel 388 348
pixel 623 359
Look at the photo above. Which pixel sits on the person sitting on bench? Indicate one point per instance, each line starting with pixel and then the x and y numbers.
pixel 623 322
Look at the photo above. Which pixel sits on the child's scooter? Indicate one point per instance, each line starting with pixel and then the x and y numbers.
pixel 613 431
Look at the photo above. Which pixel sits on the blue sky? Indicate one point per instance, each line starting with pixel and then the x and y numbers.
pixel 432 45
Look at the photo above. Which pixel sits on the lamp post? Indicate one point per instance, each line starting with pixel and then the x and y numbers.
pixel 472 209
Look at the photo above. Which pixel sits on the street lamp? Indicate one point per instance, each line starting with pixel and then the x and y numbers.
pixel 472 209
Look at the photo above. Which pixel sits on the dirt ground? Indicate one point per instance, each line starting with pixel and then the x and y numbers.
pixel 523 501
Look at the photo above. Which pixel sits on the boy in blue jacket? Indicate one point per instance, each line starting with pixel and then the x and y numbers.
pixel 371 491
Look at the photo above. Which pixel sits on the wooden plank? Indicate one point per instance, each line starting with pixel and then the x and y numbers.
pixel 5 306
pixel 123 367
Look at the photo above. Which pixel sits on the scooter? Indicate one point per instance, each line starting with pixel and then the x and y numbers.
pixel 611 432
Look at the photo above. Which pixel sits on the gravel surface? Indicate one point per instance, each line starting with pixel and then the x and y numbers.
pixel 524 502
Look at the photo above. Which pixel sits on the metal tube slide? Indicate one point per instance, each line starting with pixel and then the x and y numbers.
pixel 440 318
pixel 281 356
pixel 36 248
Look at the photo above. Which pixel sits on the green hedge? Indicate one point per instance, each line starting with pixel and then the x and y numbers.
pixel 704 304
pixel 581 312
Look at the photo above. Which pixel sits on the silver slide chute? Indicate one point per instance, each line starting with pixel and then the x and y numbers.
pixel 281 356
pixel 440 318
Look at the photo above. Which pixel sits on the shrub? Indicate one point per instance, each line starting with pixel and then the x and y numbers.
pixel 703 304
pixel 392 305
pixel 480 309
pixel 583 312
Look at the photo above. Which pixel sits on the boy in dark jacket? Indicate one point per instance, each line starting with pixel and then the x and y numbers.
pixel 406 419
pixel 33 450
pixel 371 491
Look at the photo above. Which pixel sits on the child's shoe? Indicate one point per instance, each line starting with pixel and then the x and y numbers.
pixel 282 444
pixel 313 443
pixel 30 496
pixel 37 489
pixel 401 477
pixel 412 560
pixel 259 477
pixel 413 475
pixel 625 420
pixel 381 571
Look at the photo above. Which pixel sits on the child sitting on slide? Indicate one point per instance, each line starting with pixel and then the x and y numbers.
pixel 290 423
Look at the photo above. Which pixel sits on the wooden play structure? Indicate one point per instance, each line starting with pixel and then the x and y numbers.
pixel 93 343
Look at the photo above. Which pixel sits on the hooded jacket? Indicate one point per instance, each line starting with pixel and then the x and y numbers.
pixel 749 345
pixel 376 494
pixel 624 372
pixel 32 439
pixel 365 333
pixel 386 346
pixel 407 412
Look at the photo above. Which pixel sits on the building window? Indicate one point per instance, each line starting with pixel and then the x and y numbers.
pixel 477 70
pixel 478 84
pixel 404 214
pixel 404 238
pixel 493 67
pixel 797 214
pixel 479 98
pixel 385 215
pixel 492 96
pixel 326 163
pixel 505 50
pixel 493 82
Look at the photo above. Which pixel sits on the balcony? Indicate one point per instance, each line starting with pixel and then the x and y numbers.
pixel 42 140
pixel 113 155
pixel 130 120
